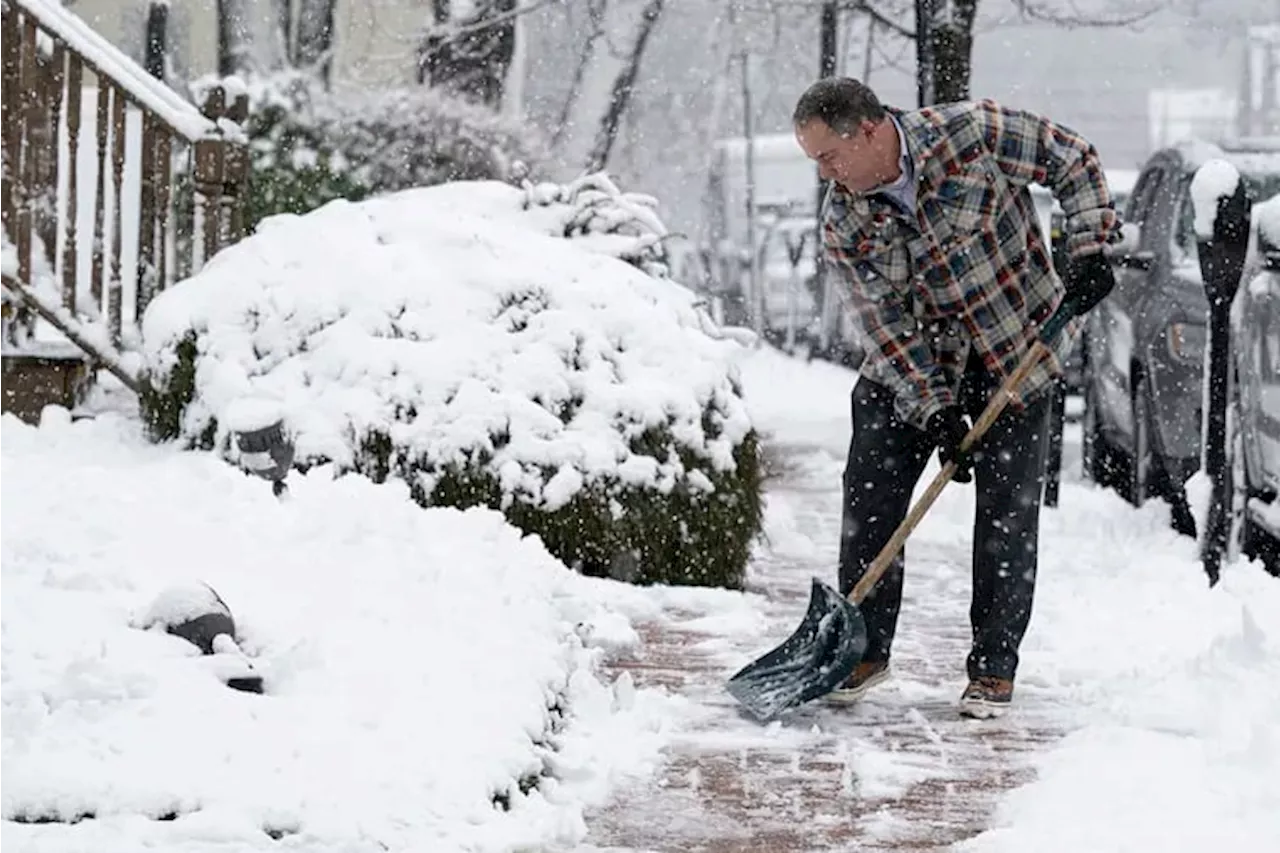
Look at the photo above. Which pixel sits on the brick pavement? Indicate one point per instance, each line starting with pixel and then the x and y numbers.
pixel 899 772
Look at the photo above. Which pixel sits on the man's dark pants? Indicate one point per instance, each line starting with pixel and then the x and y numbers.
pixel 886 459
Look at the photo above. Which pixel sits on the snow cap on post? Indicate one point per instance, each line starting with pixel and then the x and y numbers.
pixel 1222 219
pixel 1222 211
pixel 1214 180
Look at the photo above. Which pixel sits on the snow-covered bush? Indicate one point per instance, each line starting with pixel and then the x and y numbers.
pixel 488 345
pixel 309 147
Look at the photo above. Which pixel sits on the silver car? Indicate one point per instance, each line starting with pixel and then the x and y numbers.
pixel 1143 346
pixel 1253 443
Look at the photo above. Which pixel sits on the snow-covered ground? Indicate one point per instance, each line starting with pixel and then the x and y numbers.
pixel 1169 691
pixel 410 657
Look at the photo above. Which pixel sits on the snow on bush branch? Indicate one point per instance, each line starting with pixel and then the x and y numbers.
pixel 628 221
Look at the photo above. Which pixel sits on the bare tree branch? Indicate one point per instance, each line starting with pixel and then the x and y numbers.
pixel 595 13
pixel 879 17
pixel 455 34
pixel 1037 10
pixel 1062 13
pixel 623 88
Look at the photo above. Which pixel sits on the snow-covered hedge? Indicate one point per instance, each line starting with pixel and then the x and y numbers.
pixel 489 346
pixel 310 147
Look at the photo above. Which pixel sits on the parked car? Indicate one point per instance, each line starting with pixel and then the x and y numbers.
pixel 1143 346
pixel 1253 443
pixel 786 273
pixel 1120 182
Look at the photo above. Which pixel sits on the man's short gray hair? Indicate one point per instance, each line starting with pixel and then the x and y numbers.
pixel 842 103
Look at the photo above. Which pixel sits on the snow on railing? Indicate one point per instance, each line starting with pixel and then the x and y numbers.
pixel 107 59
pixel 112 180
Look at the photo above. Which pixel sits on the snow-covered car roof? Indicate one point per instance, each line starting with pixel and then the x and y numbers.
pixel 1120 181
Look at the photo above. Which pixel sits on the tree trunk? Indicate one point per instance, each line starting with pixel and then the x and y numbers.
pixel 924 52
pixel 719 44
pixel 315 37
pixel 623 86
pixel 470 56
pixel 233 48
pixel 517 75
pixel 157 51
pixel 249 37
pixel 595 14
pixel 284 22
pixel 952 40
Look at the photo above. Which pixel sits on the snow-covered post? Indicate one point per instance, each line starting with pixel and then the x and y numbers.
pixel 207 172
pixel 1222 208
pixel 221 171
pixel 235 190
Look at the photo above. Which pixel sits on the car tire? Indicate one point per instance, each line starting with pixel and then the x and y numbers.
pixel 1143 461
pixel 1098 456
pixel 1245 537
pixel 1240 536
pixel 1090 438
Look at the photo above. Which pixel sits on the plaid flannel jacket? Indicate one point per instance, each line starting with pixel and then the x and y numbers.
pixel 970 268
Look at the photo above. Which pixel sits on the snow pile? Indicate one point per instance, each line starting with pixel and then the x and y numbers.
pixel 1216 179
pixel 427 686
pixel 802 401
pixel 1169 690
pixel 1172 690
pixel 453 338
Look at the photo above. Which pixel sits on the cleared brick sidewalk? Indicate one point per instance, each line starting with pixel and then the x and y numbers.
pixel 901 771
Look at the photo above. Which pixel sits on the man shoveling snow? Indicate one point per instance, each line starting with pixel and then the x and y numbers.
pixel 930 227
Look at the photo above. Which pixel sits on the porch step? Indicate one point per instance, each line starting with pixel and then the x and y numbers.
pixel 33 380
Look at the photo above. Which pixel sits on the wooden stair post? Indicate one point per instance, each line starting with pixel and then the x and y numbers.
pixel 130 147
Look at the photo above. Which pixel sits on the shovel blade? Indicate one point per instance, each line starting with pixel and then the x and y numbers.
pixel 818 657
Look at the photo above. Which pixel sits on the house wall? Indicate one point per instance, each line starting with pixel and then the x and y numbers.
pixel 375 40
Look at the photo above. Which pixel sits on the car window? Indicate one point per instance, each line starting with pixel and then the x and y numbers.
pixel 1271 343
pixel 1185 250
pixel 1262 187
pixel 1139 202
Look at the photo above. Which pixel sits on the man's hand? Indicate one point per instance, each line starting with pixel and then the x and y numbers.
pixel 1089 280
pixel 947 427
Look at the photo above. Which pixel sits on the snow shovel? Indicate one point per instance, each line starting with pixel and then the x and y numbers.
pixel 825 649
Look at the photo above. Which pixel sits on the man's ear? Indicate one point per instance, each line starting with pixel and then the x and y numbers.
pixel 869 127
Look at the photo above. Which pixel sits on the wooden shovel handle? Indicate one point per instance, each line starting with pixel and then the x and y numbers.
pixel 1006 393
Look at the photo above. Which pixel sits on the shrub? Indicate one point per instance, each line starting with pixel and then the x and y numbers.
pixel 309 147
pixel 488 346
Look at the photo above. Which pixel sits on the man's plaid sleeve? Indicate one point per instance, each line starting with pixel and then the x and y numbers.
pixel 1031 149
